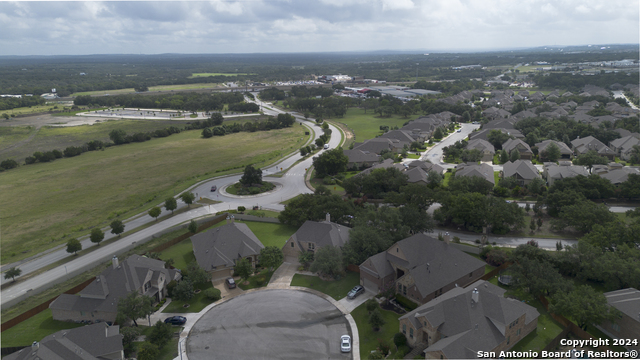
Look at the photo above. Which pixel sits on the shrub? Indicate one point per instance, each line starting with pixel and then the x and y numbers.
pixel 402 351
pixel 496 257
pixel 170 286
pixel 9 164
pixel 400 340
pixel 384 347
pixel 406 303
pixel 328 180
pixel 241 209
pixel 213 294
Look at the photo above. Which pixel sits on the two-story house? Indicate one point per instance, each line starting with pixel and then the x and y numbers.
pixel 313 235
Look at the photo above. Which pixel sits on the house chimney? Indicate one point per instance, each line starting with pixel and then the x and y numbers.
pixel 328 217
pixel 475 295
pixel 233 219
pixel 35 345
pixel 228 219
pixel 114 261
pixel 447 237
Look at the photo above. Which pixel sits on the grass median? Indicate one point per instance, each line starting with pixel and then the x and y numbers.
pixel 46 204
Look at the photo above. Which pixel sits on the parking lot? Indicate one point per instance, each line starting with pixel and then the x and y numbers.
pixel 270 324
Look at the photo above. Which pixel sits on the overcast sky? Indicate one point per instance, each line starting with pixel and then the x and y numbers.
pixel 248 26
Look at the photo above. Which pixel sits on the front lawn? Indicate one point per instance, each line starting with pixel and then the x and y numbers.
pixel 260 279
pixel 337 289
pixel 196 304
pixel 34 329
pixel 369 339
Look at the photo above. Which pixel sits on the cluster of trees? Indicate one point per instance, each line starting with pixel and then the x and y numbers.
pixel 458 152
pixel 7 103
pixel 330 162
pixel 575 83
pixel 279 122
pixel 244 107
pixel 320 108
pixel 449 87
pixel 272 94
pixel 562 129
pixel 191 102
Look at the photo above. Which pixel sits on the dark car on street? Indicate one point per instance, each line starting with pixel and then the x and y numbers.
pixel 357 290
pixel 231 283
pixel 175 320
pixel 214 188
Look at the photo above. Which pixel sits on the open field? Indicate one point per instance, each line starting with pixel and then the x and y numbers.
pixel 367 126
pixel 45 204
pixel 31 109
pixel 151 89
pixel 12 135
pixel 55 137
pixel 197 75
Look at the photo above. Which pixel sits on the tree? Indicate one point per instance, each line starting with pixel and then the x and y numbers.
pixel 251 176
pixel 117 227
pixel 129 335
pixel 155 212
pixel 271 257
pixel 330 162
pixel 216 119
pixel 96 236
pixel 9 164
pixel 538 277
pixel 207 133
pixel 73 246
pixel 328 261
pixel 117 136
pixel 532 225
pixel 305 259
pixel 590 158
pixel 243 269
pixel 193 227
pixel 630 189
pixel 160 334
pixel 170 204
pixel 187 197
pixel 539 223
pixel 134 306
pixel 438 134
pixel 183 290
pixel 583 215
pixel 584 305
pixel 515 155
pixel 376 320
pixel 12 273
pixel 147 351
pixel 497 138
pixel 504 156
pixel 196 274
pixel 551 153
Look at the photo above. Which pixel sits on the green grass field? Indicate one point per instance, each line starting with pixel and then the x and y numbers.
pixel 10 135
pixel 31 110
pixel 337 289
pixel 46 204
pixel 197 75
pixel 369 339
pixel 196 303
pixel 367 126
pixel 34 329
pixel 151 89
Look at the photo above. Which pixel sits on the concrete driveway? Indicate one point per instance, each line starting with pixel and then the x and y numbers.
pixel 270 324
pixel 281 278
pixel 350 305
pixel 225 292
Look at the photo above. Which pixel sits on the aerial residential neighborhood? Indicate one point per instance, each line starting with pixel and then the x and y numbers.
pixel 285 180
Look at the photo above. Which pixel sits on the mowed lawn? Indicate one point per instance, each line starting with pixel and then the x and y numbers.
pixel 9 135
pixel 367 126
pixel 34 329
pixel 43 202
pixel 337 289
pixel 369 339
pixel 151 89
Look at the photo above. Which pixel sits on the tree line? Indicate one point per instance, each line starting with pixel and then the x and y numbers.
pixel 191 102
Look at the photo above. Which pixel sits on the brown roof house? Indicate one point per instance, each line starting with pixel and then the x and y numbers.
pixel 420 268
pixel 522 147
pixel 589 143
pixel 98 302
pixel 218 249
pixel 465 321
pixel 313 235
pixel 521 170
pixel 627 301
pixel 484 147
pixel 91 342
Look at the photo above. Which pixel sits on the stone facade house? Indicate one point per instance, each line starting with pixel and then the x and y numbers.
pixel 421 268
pixel 627 301
pixel 520 146
pixel 584 145
pixel 91 342
pixel 466 320
pixel 218 249
pixel 98 302
pixel 313 235
pixel 521 170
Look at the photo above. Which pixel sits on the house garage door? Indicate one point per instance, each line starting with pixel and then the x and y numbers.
pixel 370 285
pixel 221 274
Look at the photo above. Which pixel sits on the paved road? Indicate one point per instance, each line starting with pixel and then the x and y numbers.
pixel 620 94
pixel 289 185
pixel 270 324
pixel 434 154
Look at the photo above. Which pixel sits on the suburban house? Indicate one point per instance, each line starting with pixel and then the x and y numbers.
pixel 403 136
pixel 521 170
pixel 377 145
pixel 91 342
pixel 584 145
pixel 426 166
pixel 618 176
pixel 313 235
pixel 218 249
pixel 520 146
pixel 553 172
pixel 421 268
pixel 481 170
pixel 484 134
pixel 466 320
pixel 623 146
pixel 484 147
pixel 627 301
pixel 360 159
pixel 565 151
pixel 98 302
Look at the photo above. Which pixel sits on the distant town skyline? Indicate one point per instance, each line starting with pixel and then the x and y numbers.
pixel 265 26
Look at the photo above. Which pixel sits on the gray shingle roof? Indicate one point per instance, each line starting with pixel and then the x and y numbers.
pixel 359 156
pixel 564 149
pixel 426 166
pixel 482 145
pixel 376 145
pixel 91 342
pixel 625 300
pixel 481 170
pixel 483 134
pixel 522 146
pixel 562 172
pixel 522 168
pixel 468 326
pixel 322 234
pixel 618 176
pixel 222 245
pixel 584 145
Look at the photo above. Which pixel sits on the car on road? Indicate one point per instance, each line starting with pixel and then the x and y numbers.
pixel 326 146
pixel 175 320
pixel 214 188
pixel 231 284
pixel 459 130
pixel 345 343
pixel 357 290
